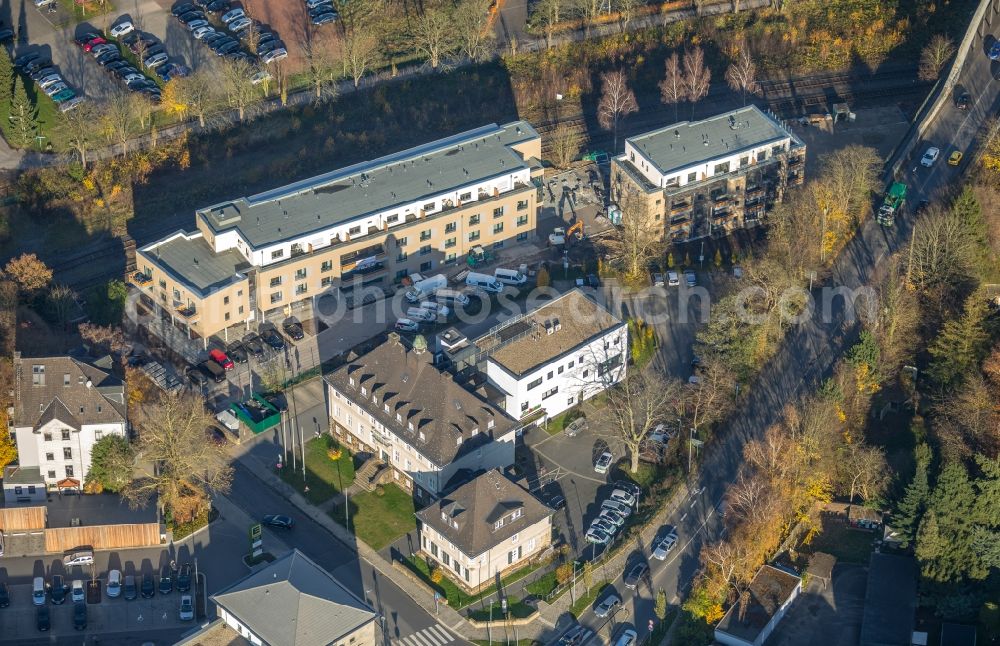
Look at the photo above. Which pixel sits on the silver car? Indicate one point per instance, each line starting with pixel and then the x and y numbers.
pixel 604 608
pixel 665 545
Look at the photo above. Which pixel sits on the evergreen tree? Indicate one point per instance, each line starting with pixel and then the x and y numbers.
pixel 945 538
pixel 6 79
pixel 661 604
pixel 718 259
pixel 22 116
pixel 910 509
pixel 962 343
pixel 110 463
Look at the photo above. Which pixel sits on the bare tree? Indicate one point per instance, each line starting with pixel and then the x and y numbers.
pixel 142 108
pixel 673 89
pixel 710 397
pixel 80 128
pixel 475 33
pixel 749 499
pixel 626 10
pixel 697 76
pixel 187 466
pixel 865 471
pixel 742 73
pixel 200 93
pixel 433 33
pixel 546 15
pixel 589 10
pixel 617 101
pixel 637 241
pixel 934 57
pixel 360 46
pixel 239 90
pixel 564 142
pixel 118 122
pixel 61 299
pixel 321 68
pixel 637 404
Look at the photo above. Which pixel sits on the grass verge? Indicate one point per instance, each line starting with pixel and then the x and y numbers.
pixel 583 602
pixel 378 520
pixel 324 477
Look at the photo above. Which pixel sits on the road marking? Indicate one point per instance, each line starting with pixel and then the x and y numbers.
pixel 683 517
pixel 693 503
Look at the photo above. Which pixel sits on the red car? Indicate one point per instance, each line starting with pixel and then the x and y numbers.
pixel 94 43
pixel 219 357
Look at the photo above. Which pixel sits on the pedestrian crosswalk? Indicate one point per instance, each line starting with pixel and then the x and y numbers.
pixel 436 635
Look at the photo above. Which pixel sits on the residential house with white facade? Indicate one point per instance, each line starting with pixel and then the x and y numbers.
pixel 395 405
pixel 710 177
pixel 486 527
pixel 555 356
pixel 62 407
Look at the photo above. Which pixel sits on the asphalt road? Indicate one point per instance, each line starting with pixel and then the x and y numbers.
pixel 810 350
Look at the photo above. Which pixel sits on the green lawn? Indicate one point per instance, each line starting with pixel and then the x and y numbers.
pixel 458 598
pixel 544 585
pixel 584 601
pixel 517 608
pixel 848 545
pixel 562 420
pixel 324 477
pixel 379 520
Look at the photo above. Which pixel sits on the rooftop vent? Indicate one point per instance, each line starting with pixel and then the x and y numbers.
pixel 677 133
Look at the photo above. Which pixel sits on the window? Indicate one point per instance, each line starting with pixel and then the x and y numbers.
pixel 692 177
pixel 513 539
pixel 354 230
pixel 400 274
pixel 721 168
pixel 424 250
pixel 426 266
pixel 535 383
pixel 38 375
pixel 473 220
pixel 560 370
pixel 65 433
pixel 521 237
pixel 69 471
pixel 31 489
pixel 434 548
pixel 549 376
pixel 524 407
pixel 300 274
pixel 225 301
pixel 498 212
pixel 429 206
pixel 531 545
pixel 549 393
pixel 571 364
pixel 449 243
pixel 498 228
pixel 67 453
pixel 522 220
pixel 451 227
pixel 498 524
pixel 401 257
pixel 446 557
pixel 276 297
pixel 227 316
pixel 522 205
pixel 276 281
pixel 163 285
pixel 241 309
pixel 392 218
pixel 280 253
pixel 401 242
pixel 450 258
pixel 425 235
pixel 326 266
pixel 586 373
pixel 326 281
pixel 47 437
pixel 458 567
pixel 50 457
pixel 52 475
pixel 473 236
pixel 465 196
pixel 744 161
pixel 98 434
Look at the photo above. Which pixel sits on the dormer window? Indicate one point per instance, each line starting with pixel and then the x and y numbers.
pixel 350 380
pixel 422 438
pixel 364 391
pixel 489 424
pixel 498 524
pixel 66 379
pixel 515 515
pixel 374 399
pixel 444 516
pixel 387 408
pixel 474 432
pixel 409 425
pixel 399 418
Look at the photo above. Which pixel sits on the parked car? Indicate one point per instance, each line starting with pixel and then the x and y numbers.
pixel 663 545
pixel 94 42
pixel 628 486
pixel 42 72
pixel 86 37
pixel 272 520
pixel 628 638
pixel 219 6
pixel 253 344
pixel 4 595
pixel 57 590
pixel 930 157
pixel 690 278
pixel 616 506
pixel 108 57
pixel 166 580
pixel 197 24
pixel 603 462
pixel 963 101
pixel 155 60
pixel 635 574
pixel 994 53
pixel 605 526
pixel 79 616
pixel 272 337
pixel 238 24
pixel 79 558
pixel 225 48
pixel 38 591
pixel 65 96
pixel 24 59
pixel 114 586
pixel 147 589
pixel 184 578
pixel 575 635
pixel 269 46
pixel 324 18
pixel 597 537
pixel 407 325
pixel 273 56
pixel 129 590
pixel 237 352
pixel 6 35
pixel 605 607
pixel 312 4
pixel 293 329
pixel 49 80
pixel 31 66
pixel 657 279
pixel 42 620
pixel 122 28
pixel 192 16
pixel 219 357
pixel 182 9
pixel 77 593
pixel 97 50
pixel 233 15
pixel 200 32
pixel 623 497
pixel 260 77
pixel 187 608
pixel 277 400
pixel 612 517
pixel 557 502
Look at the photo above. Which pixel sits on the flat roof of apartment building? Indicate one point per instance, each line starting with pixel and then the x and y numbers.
pixel 189 259
pixel 405 177
pixel 689 143
pixel 524 344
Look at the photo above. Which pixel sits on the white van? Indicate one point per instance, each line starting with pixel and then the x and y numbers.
pixel 435 308
pixel 510 276
pixel 425 288
pixel 38 591
pixel 484 282
pixel 451 297
pixel 420 314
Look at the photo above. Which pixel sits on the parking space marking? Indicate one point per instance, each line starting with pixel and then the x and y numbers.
pixel 568 471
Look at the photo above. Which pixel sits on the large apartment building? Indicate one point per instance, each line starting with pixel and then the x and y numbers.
pixel 394 405
pixel 709 177
pixel 369 224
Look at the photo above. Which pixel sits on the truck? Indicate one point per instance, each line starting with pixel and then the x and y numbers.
pixel 425 287
pixel 892 204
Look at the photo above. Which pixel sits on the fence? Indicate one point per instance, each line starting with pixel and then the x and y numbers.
pixel 102 537
pixel 22 518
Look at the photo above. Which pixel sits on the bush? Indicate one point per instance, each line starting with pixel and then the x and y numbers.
pixel 564 573
pixel 379 491
pixel 334 453
pixel 436 575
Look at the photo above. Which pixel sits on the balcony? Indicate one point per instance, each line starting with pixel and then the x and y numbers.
pixel 720 212
pixel 680 207
pixel 140 279
pixel 721 198
pixel 794 179
pixel 187 312
pixel 680 219
pixel 359 258
pixel 364 269
pixel 795 162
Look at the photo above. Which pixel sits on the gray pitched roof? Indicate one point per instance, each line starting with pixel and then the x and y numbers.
pixel 68 390
pixel 294 602
pixel 689 143
pixel 467 517
pixel 440 410
pixel 381 184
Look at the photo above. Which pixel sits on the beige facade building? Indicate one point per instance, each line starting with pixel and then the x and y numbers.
pixel 710 177
pixel 271 254
pixel 412 419
pixel 486 527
